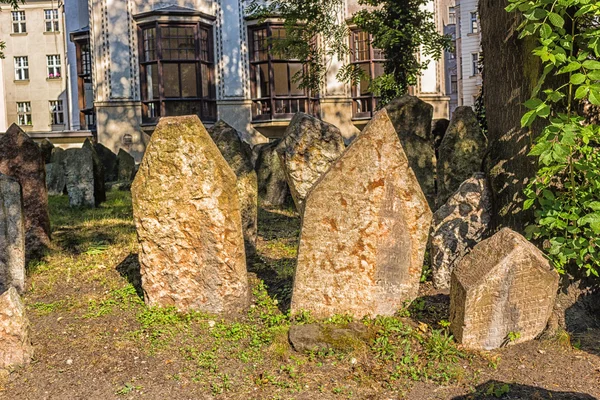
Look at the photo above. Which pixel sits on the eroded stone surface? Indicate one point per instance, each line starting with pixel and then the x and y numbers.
pixel 21 158
pixel 187 215
pixel 12 236
pixel 273 190
pixel 308 148
pixel 504 285
pixel 238 155
pixel 125 166
pixel 315 337
pixel 15 346
pixel 412 118
pixel 458 226
pixel 460 153
pixel 364 231
pixel 46 147
pixel 99 188
pixel 55 179
pixel 79 176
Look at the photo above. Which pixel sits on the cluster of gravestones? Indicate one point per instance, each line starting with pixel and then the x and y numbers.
pixel 366 221
pixel 84 173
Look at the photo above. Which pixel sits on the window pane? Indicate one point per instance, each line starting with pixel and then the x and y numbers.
pixel 171 80
pixel 295 90
pixel 189 81
pixel 174 108
pixel 205 81
pixel 259 45
pixel 152 82
pixel 262 78
pixel 178 43
pixel 280 75
pixel 364 81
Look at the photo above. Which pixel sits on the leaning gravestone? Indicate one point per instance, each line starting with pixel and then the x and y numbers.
pixel 12 236
pixel 109 162
pixel 22 159
pixel 46 147
pixel 458 226
pixel 79 176
pixel 99 188
pixel 188 221
pixel 273 190
pixel 55 179
pixel 364 231
pixel 125 166
pixel 238 155
pixel 15 345
pixel 307 150
pixel 504 286
pixel 460 153
pixel 412 118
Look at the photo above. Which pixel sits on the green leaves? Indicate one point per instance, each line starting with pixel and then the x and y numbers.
pixel 556 19
pixel 577 79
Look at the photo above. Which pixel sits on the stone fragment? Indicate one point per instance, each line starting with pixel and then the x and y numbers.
pixel 109 162
pixel 307 150
pixel 364 231
pixel 12 235
pixel 458 226
pixel 79 176
pixel 58 154
pixel 238 155
pixel 21 158
pixel 187 215
pixel 46 147
pixel 460 153
pixel 504 287
pixel 412 118
pixel 273 190
pixel 99 188
pixel 15 345
pixel 125 166
pixel 315 337
pixel 55 179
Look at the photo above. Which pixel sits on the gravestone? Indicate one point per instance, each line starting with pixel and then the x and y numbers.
pixel 12 236
pixel 21 158
pixel 125 165
pixel 46 147
pixel 109 162
pixel 460 153
pixel 79 177
pixel 458 226
pixel 55 179
pixel 307 150
pixel 99 188
pixel 412 118
pixel 15 345
pixel 238 155
pixel 57 155
pixel 364 231
pixel 504 287
pixel 273 190
pixel 187 215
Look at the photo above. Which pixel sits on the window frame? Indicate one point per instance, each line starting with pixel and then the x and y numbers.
pixel 369 98
pixel 306 102
pixel 203 59
pixel 24 111
pixel 87 115
pixel 22 70
pixel 20 22
pixel 474 25
pixel 475 64
pixel 53 21
pixel 57 116
pixel 451 15
pixel 53 66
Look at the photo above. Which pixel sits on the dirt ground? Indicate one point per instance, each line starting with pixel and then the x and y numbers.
pixel 95 339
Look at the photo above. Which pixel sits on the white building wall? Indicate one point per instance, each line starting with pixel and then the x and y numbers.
pixel 3 124
pixel 468 43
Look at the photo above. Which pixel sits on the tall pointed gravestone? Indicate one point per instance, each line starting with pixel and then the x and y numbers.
pixel 187 215
pixel 12 235
pixel 364 230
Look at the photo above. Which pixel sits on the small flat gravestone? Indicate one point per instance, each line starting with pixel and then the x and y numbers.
pixel 238 155
pixel 99 188
pixel 307 150
pixel 125 166
pixel 273 190
pixel 364 231
pixel 55 179
pixel 501 293
pixel 109 162
pixel 12 236
pixel 79 176
pixel 21 158
pixel 187 215
pixel 15 345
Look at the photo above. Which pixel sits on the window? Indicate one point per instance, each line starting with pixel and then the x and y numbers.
pixel 53 62
pixel 453 84
pixel 451 15
pixel 370 60
pixel 24 113
pixel 275 94
pixel 18 19
pixel 21 68
pixel 87 116
pixel 56 112
pixel 474 24
pixel 51 18
pixel 475 63
pixel 177 71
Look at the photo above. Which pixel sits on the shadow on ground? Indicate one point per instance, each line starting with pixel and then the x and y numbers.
pixel 501 390
pixel 129 269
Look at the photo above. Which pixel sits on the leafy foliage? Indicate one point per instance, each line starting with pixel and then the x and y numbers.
pixel 566 190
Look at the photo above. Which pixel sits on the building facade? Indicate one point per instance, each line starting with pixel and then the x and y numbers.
pixel 468 49
pixel 138 60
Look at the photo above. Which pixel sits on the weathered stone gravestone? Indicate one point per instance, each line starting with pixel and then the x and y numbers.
pixel 187 214
pixel 79 176
pixel 57 155
pixel 504 286
pixel 273 190
pixel 458 226
pixel 460 153
pixel 412 120
pixel 125 165
pixel 12 235
pixel 364 231
pixel 22 159
pixel 46 147
pixel 55 179
pixel 238 155
pixel 109 162
pixel 15 345
pixel 307 150
pixel 99 188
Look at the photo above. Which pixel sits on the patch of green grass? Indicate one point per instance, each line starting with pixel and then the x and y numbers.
pixel 42 308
